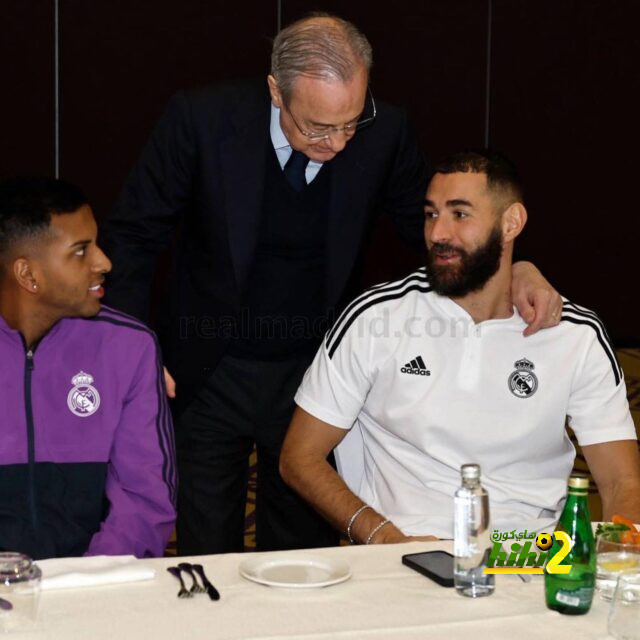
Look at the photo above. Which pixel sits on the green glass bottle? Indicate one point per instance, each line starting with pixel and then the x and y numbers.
pixel 572 593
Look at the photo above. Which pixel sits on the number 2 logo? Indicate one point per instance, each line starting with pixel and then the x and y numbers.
pixel 554 566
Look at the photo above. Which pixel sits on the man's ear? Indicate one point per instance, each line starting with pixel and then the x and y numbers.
pixel 514 217
pixel 24 274
pixel 274 90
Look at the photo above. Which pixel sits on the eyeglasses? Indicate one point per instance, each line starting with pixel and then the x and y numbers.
pixel 348 129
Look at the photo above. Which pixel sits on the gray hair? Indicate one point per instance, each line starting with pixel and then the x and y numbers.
pixel 320 46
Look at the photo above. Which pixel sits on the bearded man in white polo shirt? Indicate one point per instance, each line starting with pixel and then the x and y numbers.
pixel 433 371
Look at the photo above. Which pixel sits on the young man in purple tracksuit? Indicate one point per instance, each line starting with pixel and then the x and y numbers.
pixel 86 446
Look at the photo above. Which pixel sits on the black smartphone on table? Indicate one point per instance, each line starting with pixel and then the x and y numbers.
pixel 436 565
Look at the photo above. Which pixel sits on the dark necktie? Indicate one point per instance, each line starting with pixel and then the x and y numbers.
pixel 295 168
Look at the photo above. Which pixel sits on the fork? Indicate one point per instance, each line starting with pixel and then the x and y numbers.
pixel 195 587
pixel 212 592
pixel 183 593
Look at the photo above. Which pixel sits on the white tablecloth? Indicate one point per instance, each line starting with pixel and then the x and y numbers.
pixel 382 600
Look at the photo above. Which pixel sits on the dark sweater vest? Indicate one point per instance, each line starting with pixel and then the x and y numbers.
pixel 283 313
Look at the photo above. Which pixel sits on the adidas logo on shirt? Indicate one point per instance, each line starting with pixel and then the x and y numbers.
pixel 416 367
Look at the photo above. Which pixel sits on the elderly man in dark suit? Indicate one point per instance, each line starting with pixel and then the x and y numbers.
pixel 276 186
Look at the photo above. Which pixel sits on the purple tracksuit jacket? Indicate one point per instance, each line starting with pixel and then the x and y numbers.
pixel 87 460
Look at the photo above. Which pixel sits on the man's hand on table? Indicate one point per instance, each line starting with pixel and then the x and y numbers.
pixel 539 304
pixel 390 534
pixel 304 467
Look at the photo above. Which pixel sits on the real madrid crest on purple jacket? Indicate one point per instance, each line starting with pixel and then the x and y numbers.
pixel 86 453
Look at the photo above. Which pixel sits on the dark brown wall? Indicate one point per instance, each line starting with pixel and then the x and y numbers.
pixel 122 60
pixel 26 99
pixel 564 80
pixel 565 83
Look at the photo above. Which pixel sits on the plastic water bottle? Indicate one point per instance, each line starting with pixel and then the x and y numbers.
pixel 471 545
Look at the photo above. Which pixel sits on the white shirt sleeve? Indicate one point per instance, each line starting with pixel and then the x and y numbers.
pixel 598 407
pixel 336 385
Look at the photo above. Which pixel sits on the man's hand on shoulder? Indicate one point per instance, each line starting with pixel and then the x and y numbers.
pixel 169 383
pixel 539 304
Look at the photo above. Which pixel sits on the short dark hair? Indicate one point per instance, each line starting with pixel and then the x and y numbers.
pixel 27 204
pixel 501 173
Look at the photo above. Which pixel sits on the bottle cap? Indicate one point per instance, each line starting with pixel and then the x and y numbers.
pixel 578 482
pixel 470 471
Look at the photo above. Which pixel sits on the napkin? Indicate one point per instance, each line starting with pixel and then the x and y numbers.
pixel 92 571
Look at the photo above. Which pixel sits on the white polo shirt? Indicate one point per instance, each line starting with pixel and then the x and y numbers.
pixel 429 390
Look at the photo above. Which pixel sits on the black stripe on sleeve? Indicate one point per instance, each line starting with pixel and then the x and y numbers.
pixel 120 315
pixel 169 471
pixel 571 307
pixel 163 423
pixel 382 298
pixel 588 318
pixel 418 276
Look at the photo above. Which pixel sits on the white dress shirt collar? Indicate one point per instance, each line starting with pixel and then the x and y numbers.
pixel 283 148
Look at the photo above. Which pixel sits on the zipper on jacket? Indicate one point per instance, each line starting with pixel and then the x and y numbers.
pixel 28 372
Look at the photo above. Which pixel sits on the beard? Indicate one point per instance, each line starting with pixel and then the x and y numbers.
pixel 473 270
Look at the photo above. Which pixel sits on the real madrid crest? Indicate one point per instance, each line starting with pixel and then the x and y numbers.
pixel 523 383
pixel 83 399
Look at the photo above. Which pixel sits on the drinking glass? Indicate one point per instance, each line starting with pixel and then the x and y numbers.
pixel 19 591
pixel 613 557
pixel 624 614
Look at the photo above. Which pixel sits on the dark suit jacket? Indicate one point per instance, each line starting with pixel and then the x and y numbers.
pixel 204 168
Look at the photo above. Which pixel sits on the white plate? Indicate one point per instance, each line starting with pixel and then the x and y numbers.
pixel 295 571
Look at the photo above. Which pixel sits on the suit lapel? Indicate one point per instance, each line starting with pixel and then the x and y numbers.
pixel 347 217
pixel 243 165
pixel 243 156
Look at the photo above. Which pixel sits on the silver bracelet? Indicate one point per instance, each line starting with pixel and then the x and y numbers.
pixel 353 519
pixel 375 530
